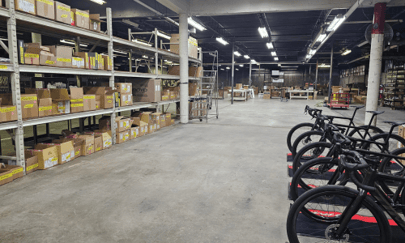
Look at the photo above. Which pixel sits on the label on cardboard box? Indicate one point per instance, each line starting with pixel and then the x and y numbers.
pixel 77 153
pixel 29 98
pixel 26 6
pixel 49 62
pixel 89 97
pixel 76 105
pixel 64 9
pixel 66 157
pixel 126 137
pixel 51 162
pixel 46 2
pixel 28 55
pixel 5 110
pixel 29 106
pixel 107 143
pixel 67 60
pixel 45 108
pixel 76 100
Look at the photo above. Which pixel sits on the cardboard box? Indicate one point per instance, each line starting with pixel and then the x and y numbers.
pixel 126 100
pixel 47 156
pixel 168 119
pixel 31 53
pixel 81 18
pixel 27 6
pixel 60 101
pixel 122 137
pixel 78 62
pixel 193 89
pixel 104 95
pixel 162 120
pixel 174 70
pixel 66 151
pixel 105 123
pixel 6 176
pixel 29 105
pixel 88 144
pixel 98 143
pixel 134 132
pixel 95 22
pixel 45 107
pixel 31 163
pixel 76 100
pixel 63 55
pixel 108 63
pixel 239 86
pixel 122 124
pixel 46 9
pixel 143 126
pixel 46 57
pixel 8 113
pixel 89 102
pixel 86 59
pixel 156 119
pixel 192 45
pixel 146 117
pixel 77 145
pixel 196 72
pixel 147 90
pixel 172 122
pixel 106 137
pixel 124 88
pixel 62 13
pixel 16 171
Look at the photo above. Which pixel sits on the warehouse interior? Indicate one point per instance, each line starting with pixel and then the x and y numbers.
pixel 167 120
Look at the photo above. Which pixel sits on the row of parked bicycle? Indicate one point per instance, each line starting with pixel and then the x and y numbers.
pixel 346 180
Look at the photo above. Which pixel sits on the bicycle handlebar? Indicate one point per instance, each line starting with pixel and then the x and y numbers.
pixel 312 112
pixel 351 167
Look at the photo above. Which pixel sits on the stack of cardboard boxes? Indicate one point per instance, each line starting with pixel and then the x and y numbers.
pixel 125 91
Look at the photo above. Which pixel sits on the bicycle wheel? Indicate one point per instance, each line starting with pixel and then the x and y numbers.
pixel 394 142
pixel 313 174
pixel 307 138
pixel 309 152
pixel 360 132
pixel 296 131
pixel 327 204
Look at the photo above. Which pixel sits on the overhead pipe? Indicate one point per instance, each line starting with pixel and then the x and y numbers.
pixel 156 12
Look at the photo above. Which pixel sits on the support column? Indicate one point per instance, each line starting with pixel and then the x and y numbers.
pixel 250 73
pixel 330 74
pixel 374 73
pixel 183 68
pixel 233 70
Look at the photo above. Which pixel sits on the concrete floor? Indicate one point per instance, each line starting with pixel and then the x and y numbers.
pixel 222 181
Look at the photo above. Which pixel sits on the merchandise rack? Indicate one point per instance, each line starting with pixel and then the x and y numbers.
pixel 31 23
pixel 394 89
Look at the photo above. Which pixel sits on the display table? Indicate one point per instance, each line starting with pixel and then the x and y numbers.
pixel 243 92
pixel 307 92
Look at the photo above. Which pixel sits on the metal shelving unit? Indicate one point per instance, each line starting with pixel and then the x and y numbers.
pixel 51 27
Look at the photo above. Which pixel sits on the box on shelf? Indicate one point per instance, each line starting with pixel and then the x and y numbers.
pixel 196 72
pixel 162 120
pixel 134 132
pixel 89 102
pixel 156 119
pixel 95 22
pixel 81 18
pixel 104 95
pixel 174 70
pixel 168 119
pixel 88 144
pixel 46 57
pixel 44 101
pixel 143 126
pixel 63 55
pixel 31 163
pixel 126 99
pixel 16 171
pixel 66 151
pixel 62 13
pixel 31 53
pixel 147 90
pixel 47 156
pixel 8 113
pixel 122 124
pixel 29 105
pixel 105 123
pixel 60 101
pixel 77 62
pixel 46 9
pixel 86 59
pixel 98 143
pixel 192 45
pixel 123 136
pixel 76 100
pixel 107 63
pixel 106 136
pixel 193 89
pixel 124 88
pixel 27 6
pixel 6 176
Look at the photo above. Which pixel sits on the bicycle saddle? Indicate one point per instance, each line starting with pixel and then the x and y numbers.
pixel 376 112
pixel 395 123
pixel 358 107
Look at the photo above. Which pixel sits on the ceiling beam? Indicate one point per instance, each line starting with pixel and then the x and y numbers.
pixel 178 6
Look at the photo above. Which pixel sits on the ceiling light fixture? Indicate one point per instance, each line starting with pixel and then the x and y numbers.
pixel 273 53
pixel 237 69
pixel 270 45
pixel 263 32
pixel 144 56
pixel 222 41
pixel 321 38
pixel 241 65
pixel 195 24
pixel 308 56
pixel 346 52
pixel 222 69
pixel 120 52
pixel 228 68
pixel 253 61
pixel 312 52
pixel 323 65
pixel 142 42
pixel 276 59
pixel 101 2
pixel 339 19
pixel 164 35
pixel 237 54
pixel 246 57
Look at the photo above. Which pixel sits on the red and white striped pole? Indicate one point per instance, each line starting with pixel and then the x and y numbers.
pixel 374 73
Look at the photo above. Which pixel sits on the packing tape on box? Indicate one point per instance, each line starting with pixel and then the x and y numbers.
pixel 30 98
pixel 64 9
pixel 29 106
pixel 85 15
pixel 28 55
pixel 3 67
pixel 50 62
pixel 89 97
pixel 76 105
pixel 76 101
pixel 64 60
pixel 46 2
pixel 64 16
pixel 98 149
pixel 77 153
pixel 32 167
pixel 5 110
pixel 6 176
pixel 45 108
pixel 18 171
pixel 78 59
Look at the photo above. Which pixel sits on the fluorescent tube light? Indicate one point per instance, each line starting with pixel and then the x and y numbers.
pixel 222 69
pixel 228 68
pixel 270 45
pixel 101 2
pixel 195 24
pixel 164 35
pixel 312 52
pixel 222 41
pixel 362 44
pixel 273 53
pixel 253 61
pixel 246 56
pixel 309 56
pixel 121 52
pixel 263 32
pixel 276 59
pixel 336 23
pixel 141 42
pixel 346 52
pixel 236 69
pixel 237 54
pixel 323 65
pixel 72 43
pixel 144 56
pixel 321 38
pixel 241 65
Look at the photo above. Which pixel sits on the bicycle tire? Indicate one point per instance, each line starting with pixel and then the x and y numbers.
pixel 381 224
pixel 299 157
pixel 301 140
pixel 293 130
pixel 374 128
pixel 383 136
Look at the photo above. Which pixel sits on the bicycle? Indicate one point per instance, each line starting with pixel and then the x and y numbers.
pixel 318 124
pixel 340 213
